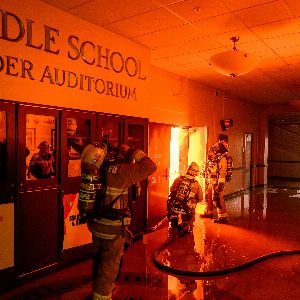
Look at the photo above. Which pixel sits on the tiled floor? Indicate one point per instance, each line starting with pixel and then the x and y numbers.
pixel 262 222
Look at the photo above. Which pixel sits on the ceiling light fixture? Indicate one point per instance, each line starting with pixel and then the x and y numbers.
pixel 234 62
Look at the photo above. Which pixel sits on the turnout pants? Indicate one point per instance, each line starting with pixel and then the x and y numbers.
pixel 106 265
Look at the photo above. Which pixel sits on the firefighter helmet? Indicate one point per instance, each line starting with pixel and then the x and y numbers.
pixel 217 151
pixel 193 169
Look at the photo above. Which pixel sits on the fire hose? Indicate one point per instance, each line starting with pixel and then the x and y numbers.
pixel 199 274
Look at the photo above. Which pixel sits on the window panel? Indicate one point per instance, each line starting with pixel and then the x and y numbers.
pixel 40 146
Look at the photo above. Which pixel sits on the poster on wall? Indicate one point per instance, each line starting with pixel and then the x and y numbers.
pixel 75 233
pixel 6 236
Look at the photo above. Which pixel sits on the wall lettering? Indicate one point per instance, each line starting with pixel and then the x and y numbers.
pixel 89 52
pixel 16 30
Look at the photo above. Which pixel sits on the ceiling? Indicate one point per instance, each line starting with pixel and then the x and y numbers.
pixel 184 34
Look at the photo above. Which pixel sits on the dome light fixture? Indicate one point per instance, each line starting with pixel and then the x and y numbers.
pixel 234 62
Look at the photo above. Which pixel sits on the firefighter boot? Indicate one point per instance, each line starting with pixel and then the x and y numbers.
pixel 207 214
pixel 221 220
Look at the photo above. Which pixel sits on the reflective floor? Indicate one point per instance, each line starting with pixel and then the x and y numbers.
pixel 253 257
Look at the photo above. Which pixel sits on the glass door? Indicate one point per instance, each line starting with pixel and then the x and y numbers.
pixel 136 136
pixel 160 140
pixel 110 129
pixel 78 130
pixel 38 206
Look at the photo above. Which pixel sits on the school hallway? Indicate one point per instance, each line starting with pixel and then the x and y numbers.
pixel 256 256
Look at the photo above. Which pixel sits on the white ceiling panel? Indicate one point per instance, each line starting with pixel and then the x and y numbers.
pixel 129 8
pixel 288 40
pixel 265 13
pixel 127 28
pixel 219 24
pixel 234 5
pixel 201 44
pixel 275 29
pixel 245 36
pixel 95 13
pixel 66 4
pixel 294 6
pixel 195 10
pixel 159 19
pixel 168 51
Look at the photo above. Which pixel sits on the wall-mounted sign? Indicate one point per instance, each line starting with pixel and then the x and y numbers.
pixel 106 71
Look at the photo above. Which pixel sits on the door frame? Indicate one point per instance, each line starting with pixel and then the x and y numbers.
pixel 8 186
pixel 247 164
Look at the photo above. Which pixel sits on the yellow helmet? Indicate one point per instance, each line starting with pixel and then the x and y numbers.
pixel 193 169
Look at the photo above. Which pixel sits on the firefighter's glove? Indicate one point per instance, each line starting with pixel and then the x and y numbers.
pixel 220 187
pixel 137 155
pixel 126 152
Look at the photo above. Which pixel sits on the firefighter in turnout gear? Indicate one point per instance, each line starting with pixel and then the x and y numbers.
pixel 185 193
pixel 103 201
pixel 217 171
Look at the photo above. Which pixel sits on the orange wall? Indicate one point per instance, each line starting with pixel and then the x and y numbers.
pixel 198 105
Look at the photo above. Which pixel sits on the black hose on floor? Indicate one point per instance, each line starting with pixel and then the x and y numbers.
pixel 200 274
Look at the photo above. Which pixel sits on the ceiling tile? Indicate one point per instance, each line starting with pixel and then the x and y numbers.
pixel 242 4
pixel 183 33
pixel 219 24
pixel 288 51
pixel 205 9
pixel 95 13
pixel 289 40
pixel 158 19
pixel 127 28
pixel 166 2
pixel 66 4
pixel 167 51
pixel 294 5
pixel 294 61
pixel 175 35
pixel 277 28
pixel 257 47
pixel 206 54
pixel 265 13
pixel 245 35
pixel 163 62
pixel 129 8
pixel 201 44
pixel 272 65
pixel 187 59
pixel 155 39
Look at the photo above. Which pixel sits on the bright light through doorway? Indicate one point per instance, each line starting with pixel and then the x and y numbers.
pixel 196 147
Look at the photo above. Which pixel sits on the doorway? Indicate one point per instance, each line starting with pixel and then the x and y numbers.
pixel 172 149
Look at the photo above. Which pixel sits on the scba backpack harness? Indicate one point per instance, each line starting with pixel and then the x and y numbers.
pixel 177 203
pixel 93 187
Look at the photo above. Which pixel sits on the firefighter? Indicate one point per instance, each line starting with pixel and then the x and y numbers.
pixel 217 171
pixel 106 207
pixel 185 193
pixel 41 163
